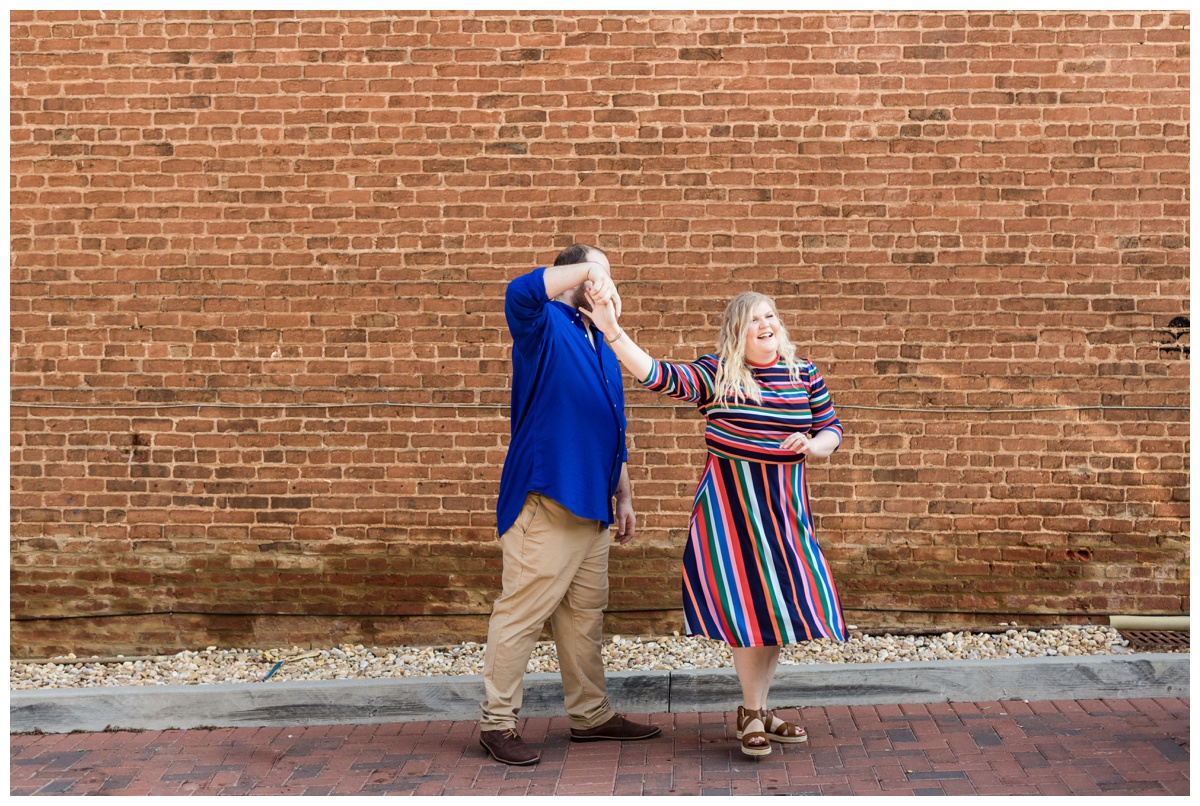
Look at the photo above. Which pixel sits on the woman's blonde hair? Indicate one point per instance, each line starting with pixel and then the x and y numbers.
pixel 735 380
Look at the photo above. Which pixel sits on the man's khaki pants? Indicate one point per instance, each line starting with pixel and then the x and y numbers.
pixel 556 568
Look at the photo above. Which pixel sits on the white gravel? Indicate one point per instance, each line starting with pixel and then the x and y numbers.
pixel 213 665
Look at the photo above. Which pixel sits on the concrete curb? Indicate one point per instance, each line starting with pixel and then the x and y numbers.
pixel 415 699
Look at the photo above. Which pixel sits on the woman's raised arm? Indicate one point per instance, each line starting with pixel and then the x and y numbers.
pixel 604 316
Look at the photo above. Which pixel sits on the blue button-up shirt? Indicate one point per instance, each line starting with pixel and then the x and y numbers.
pixel 567 419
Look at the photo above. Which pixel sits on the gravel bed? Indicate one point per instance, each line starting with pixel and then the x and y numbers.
pixel 621 653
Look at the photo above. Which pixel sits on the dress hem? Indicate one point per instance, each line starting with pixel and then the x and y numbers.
pixel 749 646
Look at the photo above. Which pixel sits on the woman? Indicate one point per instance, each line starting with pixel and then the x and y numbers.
pixel 754 575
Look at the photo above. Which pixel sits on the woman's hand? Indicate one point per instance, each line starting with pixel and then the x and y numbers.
pixel 823 444
pixel 603 314
pixel 796 443
pixel 600 284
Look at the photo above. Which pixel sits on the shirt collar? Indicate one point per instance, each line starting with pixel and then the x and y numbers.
pixel 572 314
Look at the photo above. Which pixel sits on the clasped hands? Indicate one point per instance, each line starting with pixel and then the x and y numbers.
pixel 797 443
pixel 605 301
pixel 818 446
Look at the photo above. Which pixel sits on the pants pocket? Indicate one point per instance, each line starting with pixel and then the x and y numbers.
pixel 529 511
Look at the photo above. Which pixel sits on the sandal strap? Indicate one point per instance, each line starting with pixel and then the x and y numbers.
pixel 763 739
pixel 782 727
pixel 747 715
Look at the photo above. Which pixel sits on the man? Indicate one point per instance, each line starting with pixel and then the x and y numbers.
pixel 565 465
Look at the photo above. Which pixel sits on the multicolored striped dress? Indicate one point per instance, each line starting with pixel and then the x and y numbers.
pixel 753 574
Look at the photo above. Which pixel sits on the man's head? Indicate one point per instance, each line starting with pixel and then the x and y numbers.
pixel 581 253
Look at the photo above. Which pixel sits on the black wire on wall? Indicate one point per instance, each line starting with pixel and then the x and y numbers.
pixel 488 613
pixel 504 406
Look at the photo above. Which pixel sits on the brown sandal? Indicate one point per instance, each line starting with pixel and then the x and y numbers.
pixel 754 743
pixel 783 731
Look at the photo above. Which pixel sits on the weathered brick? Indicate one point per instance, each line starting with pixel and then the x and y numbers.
pixel 288 256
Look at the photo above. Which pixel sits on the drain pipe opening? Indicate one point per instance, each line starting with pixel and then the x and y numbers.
pixel 1164 623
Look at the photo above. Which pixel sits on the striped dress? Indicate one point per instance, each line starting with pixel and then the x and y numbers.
pixel 753 574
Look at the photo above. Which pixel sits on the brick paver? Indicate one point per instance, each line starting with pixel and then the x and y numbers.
pixel 1070 747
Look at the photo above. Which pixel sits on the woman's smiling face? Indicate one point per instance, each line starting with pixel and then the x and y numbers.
pixel 762 339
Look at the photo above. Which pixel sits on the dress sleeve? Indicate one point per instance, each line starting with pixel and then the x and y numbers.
pixel 691 383
pixel 525 310
pixel 823 416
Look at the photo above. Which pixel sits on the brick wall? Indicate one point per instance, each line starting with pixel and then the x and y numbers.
pixel 259 360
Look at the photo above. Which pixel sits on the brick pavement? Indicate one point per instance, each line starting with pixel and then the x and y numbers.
pixel 1068 747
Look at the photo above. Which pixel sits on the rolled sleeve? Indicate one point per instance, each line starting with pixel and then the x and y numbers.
pixel 525 310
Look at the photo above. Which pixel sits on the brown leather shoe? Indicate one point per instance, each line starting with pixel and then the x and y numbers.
pixel 618 728
pixel 506 746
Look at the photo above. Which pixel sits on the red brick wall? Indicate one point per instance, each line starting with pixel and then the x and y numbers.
pixel 259 360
